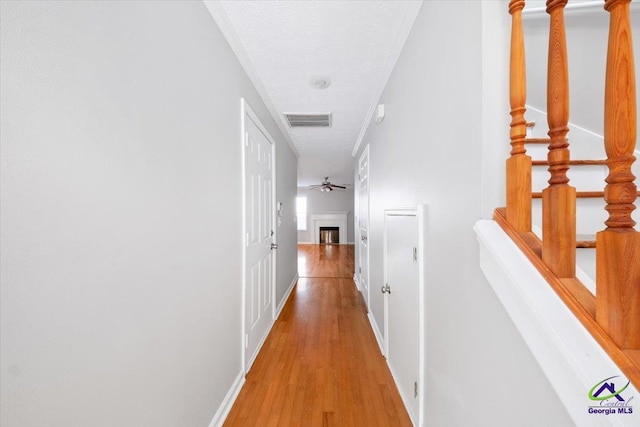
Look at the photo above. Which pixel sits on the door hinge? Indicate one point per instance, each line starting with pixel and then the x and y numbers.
pixel 246 340
pixel 415 254
pixel 359 270
pixel 415 389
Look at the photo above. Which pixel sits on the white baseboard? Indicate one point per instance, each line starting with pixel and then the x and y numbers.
pixel 376 332
pixel 591 144
pixel 355 280
pixel 260 344
pixel 585 136
pixel 286 296
pixel 222 412
pixel 305 243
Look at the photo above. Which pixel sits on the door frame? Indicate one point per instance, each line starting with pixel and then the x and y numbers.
pixel 420 212
pixel 356 226
pixel 360 282
pixel 247 112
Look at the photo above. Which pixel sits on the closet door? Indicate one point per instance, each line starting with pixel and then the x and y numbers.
pixel 401 304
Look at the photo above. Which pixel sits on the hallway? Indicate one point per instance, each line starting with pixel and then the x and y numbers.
pixel 320 365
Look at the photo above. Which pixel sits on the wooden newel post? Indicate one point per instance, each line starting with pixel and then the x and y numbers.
pixel 518 164
pixel 559 198
pixel 618 246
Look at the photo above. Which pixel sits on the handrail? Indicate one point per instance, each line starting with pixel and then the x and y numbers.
pixel 519 164
pixel 559 198
pixel 618 246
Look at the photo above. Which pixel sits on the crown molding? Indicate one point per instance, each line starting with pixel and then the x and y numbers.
pixel 405 28
pixel 219 15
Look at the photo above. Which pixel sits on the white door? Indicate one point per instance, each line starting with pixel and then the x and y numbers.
pixel 259 256
pixel 363 224
pixel 401 303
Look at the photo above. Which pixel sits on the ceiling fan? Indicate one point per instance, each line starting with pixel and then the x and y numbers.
pixel 326 185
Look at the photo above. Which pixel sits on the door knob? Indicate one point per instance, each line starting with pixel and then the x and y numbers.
pixel 274 246
pixel 385 289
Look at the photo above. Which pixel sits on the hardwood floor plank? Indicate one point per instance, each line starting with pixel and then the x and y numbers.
pixel 325 260
pixel 321 365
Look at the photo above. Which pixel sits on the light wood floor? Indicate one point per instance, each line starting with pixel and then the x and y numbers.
pixel 320 365
pixel 325 261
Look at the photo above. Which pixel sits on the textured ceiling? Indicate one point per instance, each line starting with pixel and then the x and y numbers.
pixel 284 44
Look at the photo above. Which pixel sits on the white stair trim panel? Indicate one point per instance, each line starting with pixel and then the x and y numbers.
pixel 569 356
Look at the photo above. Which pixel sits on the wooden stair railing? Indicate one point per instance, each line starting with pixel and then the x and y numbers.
pixel 559 198
pixel 537 140
pixel 580 194
pixel 618 246
pixel 613 315
pixel 586 241
pixel 572 163
pixel 519 164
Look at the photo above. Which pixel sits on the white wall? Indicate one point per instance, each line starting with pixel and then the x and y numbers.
pixel 121 225
pixel 435 146
pixel 320 202
pixel 287 234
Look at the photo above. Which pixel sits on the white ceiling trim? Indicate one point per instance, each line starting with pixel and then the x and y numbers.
pixel 407 23
pixel 221 18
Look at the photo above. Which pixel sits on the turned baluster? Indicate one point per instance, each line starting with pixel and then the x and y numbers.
pixel 618 246
pixel 519 164
pixel 559 198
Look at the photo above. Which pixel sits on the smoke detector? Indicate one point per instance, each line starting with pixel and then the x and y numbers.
pixel 320 82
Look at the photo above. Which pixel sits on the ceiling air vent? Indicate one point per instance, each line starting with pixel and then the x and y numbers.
pixel 297 120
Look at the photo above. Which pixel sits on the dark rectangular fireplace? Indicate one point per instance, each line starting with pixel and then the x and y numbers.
pixel 329 235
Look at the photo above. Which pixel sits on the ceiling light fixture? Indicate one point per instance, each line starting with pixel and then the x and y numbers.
pixel 320 82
